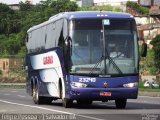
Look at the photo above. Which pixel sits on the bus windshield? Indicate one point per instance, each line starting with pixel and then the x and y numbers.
pixel 104 46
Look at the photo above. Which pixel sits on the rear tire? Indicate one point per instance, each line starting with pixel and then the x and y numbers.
pixel 121 103
pixel 47 100
pixel 67 103
pixel 36 98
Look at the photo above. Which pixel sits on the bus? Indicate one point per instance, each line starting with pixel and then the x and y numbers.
pixel 83 56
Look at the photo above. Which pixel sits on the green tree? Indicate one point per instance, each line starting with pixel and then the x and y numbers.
pixel 101 8
pixel 25 6
pixel 140 9
pixel 156 48
pixel 5 19
pixel 5 9
pixel 63 6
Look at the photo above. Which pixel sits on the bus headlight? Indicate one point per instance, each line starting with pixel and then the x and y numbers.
pixel 130 85
pixel 78 84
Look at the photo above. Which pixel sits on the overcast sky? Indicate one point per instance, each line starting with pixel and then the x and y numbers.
pixel 17 1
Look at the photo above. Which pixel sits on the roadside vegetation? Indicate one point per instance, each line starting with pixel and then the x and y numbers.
pixel 151 64
pixel 140 9
pixel 101 8
pixel 147 64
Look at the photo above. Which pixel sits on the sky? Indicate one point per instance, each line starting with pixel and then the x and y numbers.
pixel 17 1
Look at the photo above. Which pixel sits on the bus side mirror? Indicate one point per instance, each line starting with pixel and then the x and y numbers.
pixel 68 53
pixel 144 50
pixel 69 45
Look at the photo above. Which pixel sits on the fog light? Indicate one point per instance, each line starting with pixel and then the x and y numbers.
pixel 78 84
pixel 130 85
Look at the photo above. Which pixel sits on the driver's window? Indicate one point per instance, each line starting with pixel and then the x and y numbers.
pixel 81 39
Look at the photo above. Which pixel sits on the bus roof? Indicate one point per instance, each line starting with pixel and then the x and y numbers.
pixel 83 15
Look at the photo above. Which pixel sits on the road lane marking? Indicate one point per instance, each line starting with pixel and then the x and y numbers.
pixel 3 111
pixel 7 94
pixel 145 102
pixel 13 91
pixel 21 96
pixel 93 118
pixel 52 110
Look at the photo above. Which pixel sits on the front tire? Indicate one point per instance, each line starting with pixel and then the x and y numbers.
pixel 83 102
pixel 67 103
pixel 121 103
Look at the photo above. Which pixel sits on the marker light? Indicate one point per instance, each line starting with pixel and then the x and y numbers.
pixel 102 15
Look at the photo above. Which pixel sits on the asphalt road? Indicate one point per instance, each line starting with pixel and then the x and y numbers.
pixel 15 104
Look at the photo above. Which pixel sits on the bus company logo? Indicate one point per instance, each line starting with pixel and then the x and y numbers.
pixel 105 84
pixel 47 60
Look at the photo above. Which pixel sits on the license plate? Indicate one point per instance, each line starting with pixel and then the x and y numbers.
pixel 102 93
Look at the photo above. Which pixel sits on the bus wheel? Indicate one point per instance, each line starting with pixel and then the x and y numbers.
pixel 36 98
pixel 121 103
pixel 67 103
pixel 48 100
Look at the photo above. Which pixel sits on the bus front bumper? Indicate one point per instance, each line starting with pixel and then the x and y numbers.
pixel 102 93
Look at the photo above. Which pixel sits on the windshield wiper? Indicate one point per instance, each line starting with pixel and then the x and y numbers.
pixel 96 65
pixel 114 64
pixel 110 60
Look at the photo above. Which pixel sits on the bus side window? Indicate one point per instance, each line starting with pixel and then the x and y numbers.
pixel 59 33
pixel 65 28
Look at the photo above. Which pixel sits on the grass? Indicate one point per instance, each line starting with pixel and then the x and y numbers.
pixel 141 84
pixel 149 89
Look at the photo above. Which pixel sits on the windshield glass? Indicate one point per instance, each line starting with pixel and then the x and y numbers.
pixel 104 46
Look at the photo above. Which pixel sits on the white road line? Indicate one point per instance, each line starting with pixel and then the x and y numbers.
pixel 13 91
pixel 145 102
pixel 21 96
pixel 7 94
pixel 4 111
pixel 93 118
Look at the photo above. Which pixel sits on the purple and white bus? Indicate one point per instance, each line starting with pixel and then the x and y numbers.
pixel 83 56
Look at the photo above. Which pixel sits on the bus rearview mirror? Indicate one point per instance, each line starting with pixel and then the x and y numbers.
pixel 144 50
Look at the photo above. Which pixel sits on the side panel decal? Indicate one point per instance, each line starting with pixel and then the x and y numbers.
pixel 49 69
pixel 46 60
